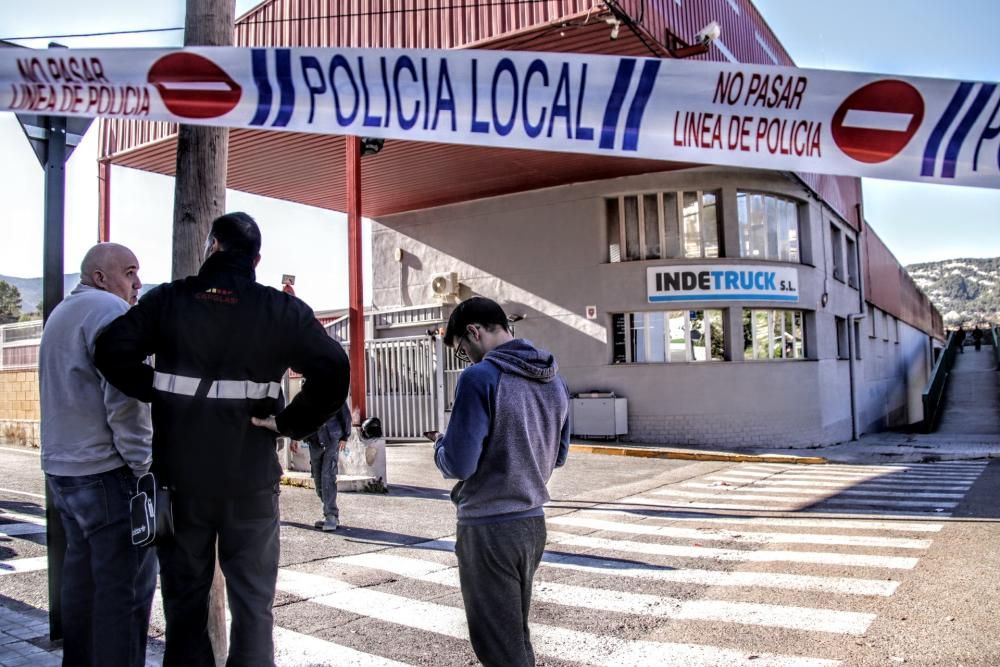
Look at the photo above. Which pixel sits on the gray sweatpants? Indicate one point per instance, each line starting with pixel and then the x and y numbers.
pixel 323 465
pixel 496 566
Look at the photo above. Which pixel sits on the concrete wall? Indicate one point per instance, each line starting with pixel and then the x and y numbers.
pixel 896 370
pixel 543 255
pixel 19 407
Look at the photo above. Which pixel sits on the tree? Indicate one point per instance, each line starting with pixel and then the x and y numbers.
pixel 10 302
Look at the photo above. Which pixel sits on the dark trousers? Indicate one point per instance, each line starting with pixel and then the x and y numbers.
pixel 247 532
pixel 323 464
pixel 496 566
pixel 107 584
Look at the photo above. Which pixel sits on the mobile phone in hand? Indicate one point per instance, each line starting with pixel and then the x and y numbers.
pixel 432 435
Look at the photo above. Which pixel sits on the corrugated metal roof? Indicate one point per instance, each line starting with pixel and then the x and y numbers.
pixel 309 168
pixel 405 176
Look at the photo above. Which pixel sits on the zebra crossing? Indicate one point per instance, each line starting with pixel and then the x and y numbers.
pixel 765 562
pixel 648 557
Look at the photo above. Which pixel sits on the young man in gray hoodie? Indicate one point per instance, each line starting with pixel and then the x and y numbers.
pixel 95 442
pixel 509 429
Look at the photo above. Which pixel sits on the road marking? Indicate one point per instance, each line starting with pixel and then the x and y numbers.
pixel 740 555
pixel 889 503
pixel 808 501
pixel 20 450
pixel 561 643
pixel 295 649
pixel 628 568
pixel 17 565
pixel 781 580
pixel 887 485
pixel 16 529
pixel 734 536
pixel 778 522
pixel 744 613
pixel 758 507
pixel 846 476
pixel 866 470
pixel 23 493
pixel 841 491
pixel 936 513
pixel 22 517
pixel 930 467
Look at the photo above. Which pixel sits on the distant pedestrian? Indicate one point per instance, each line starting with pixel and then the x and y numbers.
pixel 325 446
pixel 95 442
pixel 960 338
pixel 977 338
pixel 509 429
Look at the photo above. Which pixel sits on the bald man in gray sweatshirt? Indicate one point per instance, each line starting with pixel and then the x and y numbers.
pixel 95 442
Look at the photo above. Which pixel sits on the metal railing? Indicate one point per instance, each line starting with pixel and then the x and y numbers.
pixel 19 345
pixel 405 383
pixel 338 329
pixel 408 316
pixel 933 395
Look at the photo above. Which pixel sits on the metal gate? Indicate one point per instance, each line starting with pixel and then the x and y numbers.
pixel 406 385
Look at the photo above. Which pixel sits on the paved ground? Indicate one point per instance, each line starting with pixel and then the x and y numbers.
pixel 649 562
pixel 972 396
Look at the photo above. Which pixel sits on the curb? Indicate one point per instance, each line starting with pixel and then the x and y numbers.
pixel 659 453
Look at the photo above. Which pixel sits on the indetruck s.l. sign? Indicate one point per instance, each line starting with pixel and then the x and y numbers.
pixel 714 282
pixel 906 128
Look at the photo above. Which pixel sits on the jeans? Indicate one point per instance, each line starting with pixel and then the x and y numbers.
pixel 107 584
pixel 247 532
pixel 323 464
pixel 496 567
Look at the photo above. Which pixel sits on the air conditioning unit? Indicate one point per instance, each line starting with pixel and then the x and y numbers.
pixel 445 285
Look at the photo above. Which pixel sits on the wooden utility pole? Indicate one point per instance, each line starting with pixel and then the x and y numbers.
pixel 200 182
pixel 199 198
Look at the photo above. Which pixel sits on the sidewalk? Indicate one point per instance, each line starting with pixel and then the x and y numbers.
pixel 884 447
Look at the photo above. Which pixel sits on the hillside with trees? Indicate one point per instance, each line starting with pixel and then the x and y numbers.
pixel 966 290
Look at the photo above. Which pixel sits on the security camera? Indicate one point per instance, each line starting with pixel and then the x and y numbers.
pixel 615 24
pixel 708 34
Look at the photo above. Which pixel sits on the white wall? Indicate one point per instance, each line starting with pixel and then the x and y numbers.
pixel 543 255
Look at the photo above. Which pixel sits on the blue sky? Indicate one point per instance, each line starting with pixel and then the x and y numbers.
pixel 911 37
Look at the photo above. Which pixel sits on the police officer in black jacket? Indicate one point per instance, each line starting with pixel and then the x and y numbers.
pixel 222 343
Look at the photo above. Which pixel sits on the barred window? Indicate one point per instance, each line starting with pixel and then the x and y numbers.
pixel 769 227
pixel 668 336
pixel 659 225
pixel 773 334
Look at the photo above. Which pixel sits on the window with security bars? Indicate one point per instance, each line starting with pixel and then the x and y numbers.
pixel 769 227
pixel 661 225
pixel 773 334
pixel 668 337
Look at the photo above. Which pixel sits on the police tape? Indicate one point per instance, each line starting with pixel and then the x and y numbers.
pixel 847 123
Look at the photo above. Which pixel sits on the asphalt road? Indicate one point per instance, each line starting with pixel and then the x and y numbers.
pixel 649 562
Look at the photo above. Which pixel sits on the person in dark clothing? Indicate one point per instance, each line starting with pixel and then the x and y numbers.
pixel 977 338
pixel 222 344
pixel 325 446
pixel 960 339
pixel 509 429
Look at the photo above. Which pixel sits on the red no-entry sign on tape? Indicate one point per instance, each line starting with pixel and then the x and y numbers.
pixel 850 123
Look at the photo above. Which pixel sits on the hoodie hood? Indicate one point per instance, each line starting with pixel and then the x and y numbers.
pixel 520 357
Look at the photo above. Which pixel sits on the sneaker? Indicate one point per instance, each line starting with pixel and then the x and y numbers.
pixel 326 525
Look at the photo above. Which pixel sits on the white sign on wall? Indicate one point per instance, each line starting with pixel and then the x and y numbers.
pixel 699 112
pixel 714 282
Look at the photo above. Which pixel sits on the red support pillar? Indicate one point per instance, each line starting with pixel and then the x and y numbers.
pixel 104 200
pixel 354 270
